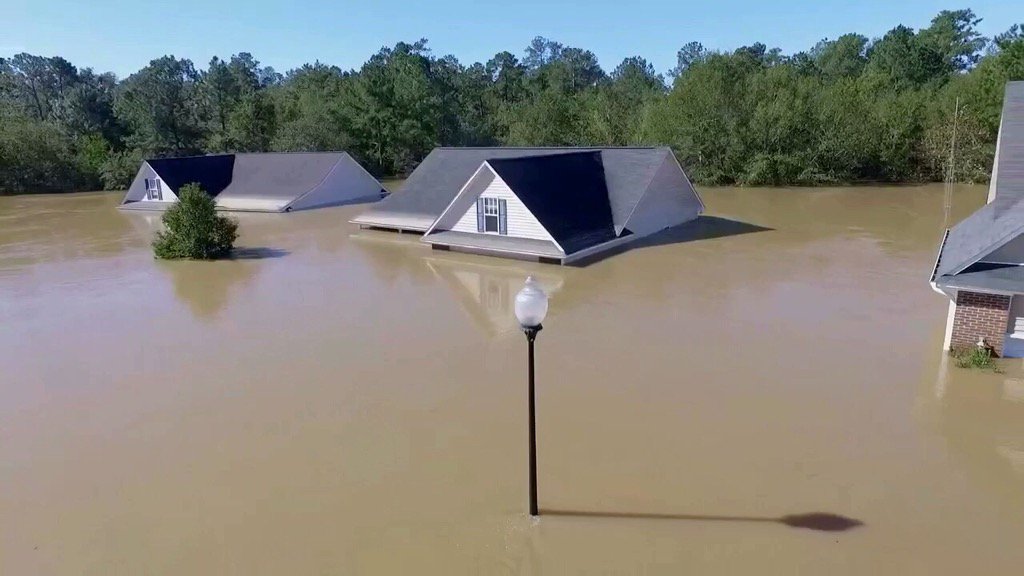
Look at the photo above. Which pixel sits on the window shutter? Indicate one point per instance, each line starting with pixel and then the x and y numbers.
pixel 480 215
pixel 502 212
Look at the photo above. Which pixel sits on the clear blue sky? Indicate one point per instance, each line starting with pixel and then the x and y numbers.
pixel 123 35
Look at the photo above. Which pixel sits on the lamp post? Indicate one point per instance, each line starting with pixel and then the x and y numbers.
pixel 531 308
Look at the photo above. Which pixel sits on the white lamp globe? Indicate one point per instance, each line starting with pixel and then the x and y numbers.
pixel 531 304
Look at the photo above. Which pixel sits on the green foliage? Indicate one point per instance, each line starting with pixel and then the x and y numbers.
pixel 163 108
pixel 309 111
pixel 252 125
pixel 90 156
pixel 119 169
pixel 848 109
pixel 844 57
pixel 974 357
pixel 194 230
pixel 36 157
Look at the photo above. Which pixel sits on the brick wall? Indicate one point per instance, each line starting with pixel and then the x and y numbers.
pixel 980 315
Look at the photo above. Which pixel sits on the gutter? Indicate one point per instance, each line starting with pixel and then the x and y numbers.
pixel 935 267
pixel 938 256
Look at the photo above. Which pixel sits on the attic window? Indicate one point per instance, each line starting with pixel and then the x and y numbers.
pixel 153 189
pixel 491 215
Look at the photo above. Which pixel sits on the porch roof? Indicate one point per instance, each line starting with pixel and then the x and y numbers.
pixel 495 243
pixel 1002 278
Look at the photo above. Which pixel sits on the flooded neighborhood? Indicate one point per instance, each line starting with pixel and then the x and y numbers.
pixel 472 288
pixel 336 400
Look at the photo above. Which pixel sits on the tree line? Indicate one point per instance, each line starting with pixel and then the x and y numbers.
pixel 848 109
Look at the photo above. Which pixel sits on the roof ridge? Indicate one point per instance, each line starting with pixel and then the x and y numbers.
pixel 220 154
pixel 581 148
pixel 540 156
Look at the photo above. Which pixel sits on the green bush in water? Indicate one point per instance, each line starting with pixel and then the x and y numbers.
pixel 194 230
pixel 974 357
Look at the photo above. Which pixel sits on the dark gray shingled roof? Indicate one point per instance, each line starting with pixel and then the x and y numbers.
pixel 566 193
pixel 438 179
pixel 1009 177
pixel 279 175
pixel 1002 219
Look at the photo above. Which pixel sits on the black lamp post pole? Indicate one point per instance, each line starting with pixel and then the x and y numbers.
pixel 531 335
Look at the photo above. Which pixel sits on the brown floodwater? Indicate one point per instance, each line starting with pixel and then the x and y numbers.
pixel 760 393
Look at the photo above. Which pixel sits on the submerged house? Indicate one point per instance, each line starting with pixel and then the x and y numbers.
pixel 554 205
pixel 980 265
pixel 267 182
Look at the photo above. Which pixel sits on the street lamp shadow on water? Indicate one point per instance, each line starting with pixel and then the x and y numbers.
pixel 816 521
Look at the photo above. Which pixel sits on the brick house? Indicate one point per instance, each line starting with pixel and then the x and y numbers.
pixel 980 266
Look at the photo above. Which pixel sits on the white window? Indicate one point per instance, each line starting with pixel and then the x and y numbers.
pixel 491 215
pixel 153 189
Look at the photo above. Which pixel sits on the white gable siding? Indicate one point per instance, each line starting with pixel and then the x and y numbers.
pixel 347 183
pixel 670 200
pixel 521 222
pixel 466 198
pixel 167 193
pixel 137 191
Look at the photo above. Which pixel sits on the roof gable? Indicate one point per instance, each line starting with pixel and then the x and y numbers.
pixel 992 226
pixel 628 174
pixel 1002 219
pixel 264 180
pixel 566 193
pixel 213 173
pixel 437 180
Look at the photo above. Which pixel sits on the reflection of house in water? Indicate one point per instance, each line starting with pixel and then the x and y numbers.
pixel 981 416
pixel 487 292
pixel 388 255
pixel 146 224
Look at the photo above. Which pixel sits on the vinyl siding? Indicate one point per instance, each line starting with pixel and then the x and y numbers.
pixel 137 190
pixel 521 223
pixel 1015 323
pixel 669 201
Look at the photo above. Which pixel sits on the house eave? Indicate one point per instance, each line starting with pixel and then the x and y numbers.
pixel 938 256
